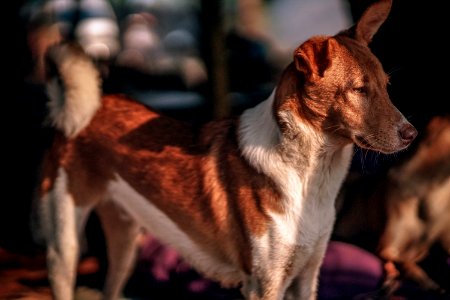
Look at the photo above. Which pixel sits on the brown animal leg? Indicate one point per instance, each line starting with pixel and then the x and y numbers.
pixel 414 272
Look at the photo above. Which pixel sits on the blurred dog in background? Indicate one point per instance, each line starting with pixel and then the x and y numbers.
pixel 403 215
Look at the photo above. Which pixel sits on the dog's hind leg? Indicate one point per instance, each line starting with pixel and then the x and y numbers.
pixel 121 233
pixel 62 222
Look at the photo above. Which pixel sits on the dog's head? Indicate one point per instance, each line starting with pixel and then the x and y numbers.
pixel 339 86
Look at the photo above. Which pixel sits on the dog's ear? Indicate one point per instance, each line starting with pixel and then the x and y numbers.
pixel 371 20
pixel 313 57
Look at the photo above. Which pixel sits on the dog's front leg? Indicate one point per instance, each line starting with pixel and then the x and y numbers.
pixel 273 263
pixel 265 287
pixel 304 286
pixel 62 223
pixel 121 233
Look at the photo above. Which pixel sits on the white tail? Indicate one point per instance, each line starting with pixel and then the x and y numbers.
pixel 73 86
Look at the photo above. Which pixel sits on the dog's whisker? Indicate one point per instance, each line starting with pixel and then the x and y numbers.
pixel 332 126
pixel 394 70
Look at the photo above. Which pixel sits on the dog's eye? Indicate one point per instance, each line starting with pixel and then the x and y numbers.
pixel 359 90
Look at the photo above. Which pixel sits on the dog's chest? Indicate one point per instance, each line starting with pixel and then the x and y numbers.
pixel 309 198
pixel 304 223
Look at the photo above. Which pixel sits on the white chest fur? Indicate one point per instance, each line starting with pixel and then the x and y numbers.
pixel 309 200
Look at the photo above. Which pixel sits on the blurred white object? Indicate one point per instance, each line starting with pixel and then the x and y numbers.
pixel 97 30
pixel 141 43
pixel 99 37
pixel 294 21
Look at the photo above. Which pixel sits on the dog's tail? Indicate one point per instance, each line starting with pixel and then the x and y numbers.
pixel 73 87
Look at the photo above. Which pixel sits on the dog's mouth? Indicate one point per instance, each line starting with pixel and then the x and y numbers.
pixel 364 143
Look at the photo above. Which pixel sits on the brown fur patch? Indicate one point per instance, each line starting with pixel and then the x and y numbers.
pixel 198 180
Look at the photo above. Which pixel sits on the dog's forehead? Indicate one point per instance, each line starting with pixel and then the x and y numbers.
pixel 360 55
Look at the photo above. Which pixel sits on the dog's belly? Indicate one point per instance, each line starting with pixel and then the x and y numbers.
pixel 162 227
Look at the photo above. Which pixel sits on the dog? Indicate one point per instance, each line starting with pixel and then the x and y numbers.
pixel 408 210
pixel 418 208
pixel 247 201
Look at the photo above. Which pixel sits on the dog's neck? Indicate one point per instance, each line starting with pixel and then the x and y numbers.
pixel 309 158
pixel 261 138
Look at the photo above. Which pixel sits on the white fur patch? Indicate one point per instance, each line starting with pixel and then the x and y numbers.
pixel 162 227
pixel 259 135
pixel 75 100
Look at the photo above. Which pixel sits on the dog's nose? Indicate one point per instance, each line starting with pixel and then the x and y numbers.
pixel 407 133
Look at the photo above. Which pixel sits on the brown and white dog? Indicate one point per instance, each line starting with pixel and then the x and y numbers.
pixel 246 201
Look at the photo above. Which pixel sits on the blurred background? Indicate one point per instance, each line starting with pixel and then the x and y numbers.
pixel 197 60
